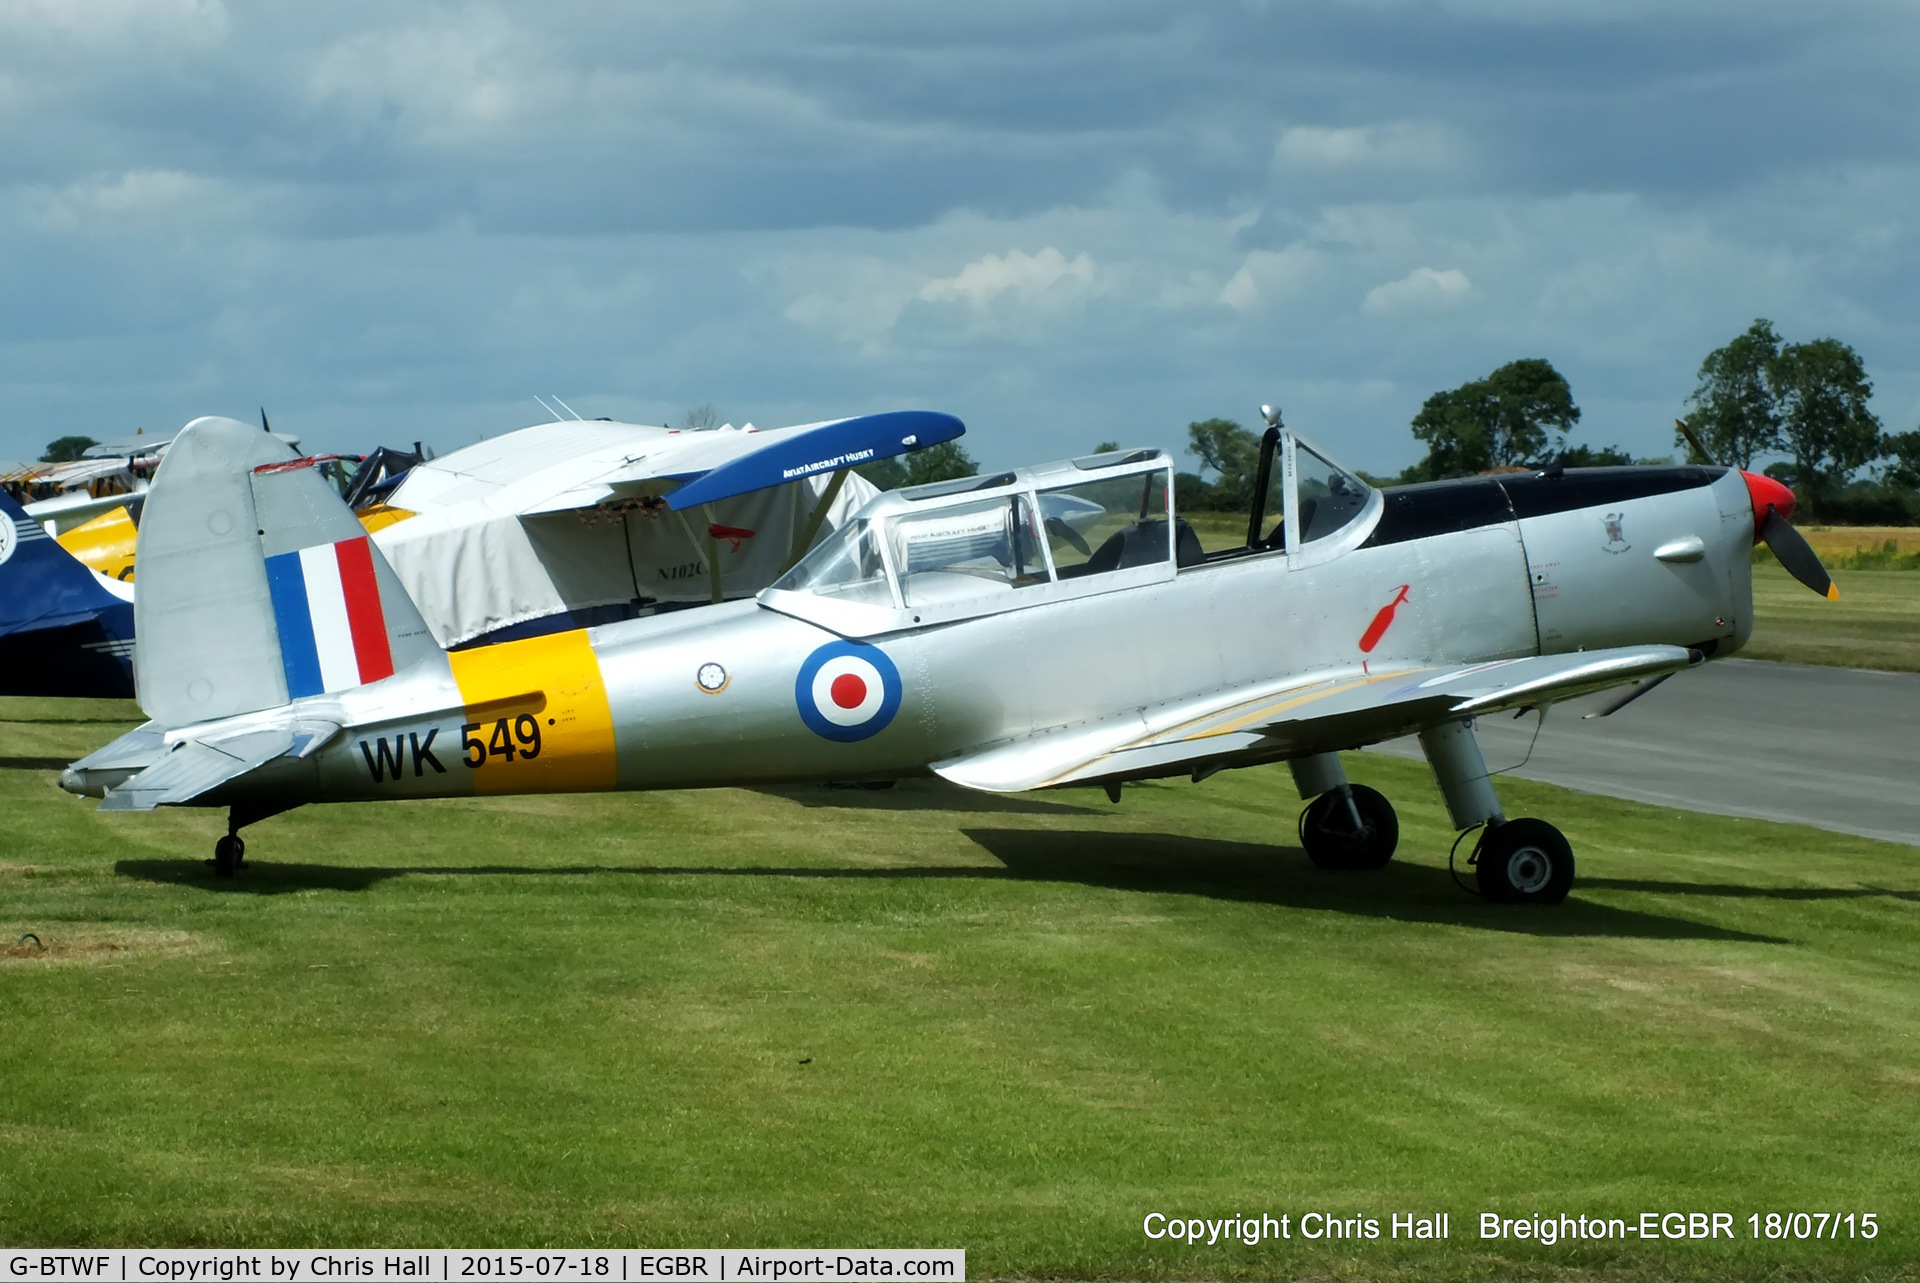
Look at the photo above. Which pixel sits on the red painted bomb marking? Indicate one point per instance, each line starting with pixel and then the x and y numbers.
pixel 1382 621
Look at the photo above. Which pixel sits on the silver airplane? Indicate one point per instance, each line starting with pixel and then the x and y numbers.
pixel 1047 627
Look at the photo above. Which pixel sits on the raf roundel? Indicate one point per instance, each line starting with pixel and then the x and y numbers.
pixel 847 691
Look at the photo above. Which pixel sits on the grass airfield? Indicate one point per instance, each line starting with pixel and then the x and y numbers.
pixel 1875 624
pixel 924 1017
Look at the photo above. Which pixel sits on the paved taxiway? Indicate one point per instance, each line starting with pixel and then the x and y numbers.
pixel 1838 748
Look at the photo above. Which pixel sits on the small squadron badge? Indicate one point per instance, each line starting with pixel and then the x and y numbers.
pixel 1616 538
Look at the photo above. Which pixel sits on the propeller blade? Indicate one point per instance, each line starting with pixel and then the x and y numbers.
pixel 1798 556
pixel 1693 441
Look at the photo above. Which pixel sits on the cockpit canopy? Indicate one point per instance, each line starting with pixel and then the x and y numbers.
pixel 1094 524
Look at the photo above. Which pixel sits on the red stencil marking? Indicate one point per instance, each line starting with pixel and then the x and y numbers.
pixel 734 535
pixel 1382 621
pixel 848 691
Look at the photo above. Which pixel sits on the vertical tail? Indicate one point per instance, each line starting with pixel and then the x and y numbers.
pixel 257 584
pixel 64 630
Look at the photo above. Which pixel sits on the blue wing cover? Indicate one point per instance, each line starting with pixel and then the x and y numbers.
pixel 844 443
pixel 61 633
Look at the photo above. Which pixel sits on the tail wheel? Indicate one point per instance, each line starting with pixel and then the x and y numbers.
pixel 1331 841
pixel 1524 862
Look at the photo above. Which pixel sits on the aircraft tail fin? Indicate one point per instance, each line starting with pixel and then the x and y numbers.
pixel 257 584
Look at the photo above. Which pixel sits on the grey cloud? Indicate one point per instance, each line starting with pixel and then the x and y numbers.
pixel 403 219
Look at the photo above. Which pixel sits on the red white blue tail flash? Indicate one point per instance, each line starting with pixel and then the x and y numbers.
pixel 326 601
pixel 847 691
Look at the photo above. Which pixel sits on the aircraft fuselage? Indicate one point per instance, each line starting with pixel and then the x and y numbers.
pixel 1447 573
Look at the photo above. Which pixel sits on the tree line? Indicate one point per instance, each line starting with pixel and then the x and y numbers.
pixel 1756 396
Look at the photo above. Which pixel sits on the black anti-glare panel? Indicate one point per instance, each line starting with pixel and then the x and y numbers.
pixel 1536 494
pixel 1444 507
pixel 1439 508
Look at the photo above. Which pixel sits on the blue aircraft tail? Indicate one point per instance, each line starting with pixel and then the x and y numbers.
pixel 63 631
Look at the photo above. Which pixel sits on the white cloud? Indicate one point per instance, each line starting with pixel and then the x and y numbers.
pixel 132 199
pixel 111 21
pixel 452 81
pixel 1026 276
pixel 1400 145
pixel 854 298
pixel 1421 290
pixel 1267 276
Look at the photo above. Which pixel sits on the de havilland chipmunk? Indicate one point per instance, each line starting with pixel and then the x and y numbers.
pixel 1045 627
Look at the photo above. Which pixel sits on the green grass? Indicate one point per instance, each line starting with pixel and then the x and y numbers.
pixel 1875 624
pixel 932 1018
pixel 1857 547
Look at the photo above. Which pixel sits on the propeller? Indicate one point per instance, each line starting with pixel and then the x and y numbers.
pixel 1799 558
pixel 1772 505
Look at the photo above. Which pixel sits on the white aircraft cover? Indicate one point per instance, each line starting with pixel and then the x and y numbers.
pixel 559 517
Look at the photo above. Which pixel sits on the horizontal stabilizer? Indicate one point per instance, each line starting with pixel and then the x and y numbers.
pixel 194 768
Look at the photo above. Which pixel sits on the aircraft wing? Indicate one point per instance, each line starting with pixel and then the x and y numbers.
pixel 1322 713
pixel 788 454
pixel 710 465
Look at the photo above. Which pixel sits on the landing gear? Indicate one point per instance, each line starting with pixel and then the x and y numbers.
pixel 1350 828
pixel 1516 861
pixel 1523 862
pixel 229 853
pixel 1346 826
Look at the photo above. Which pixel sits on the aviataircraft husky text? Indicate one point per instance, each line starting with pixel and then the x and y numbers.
pixel 1045 627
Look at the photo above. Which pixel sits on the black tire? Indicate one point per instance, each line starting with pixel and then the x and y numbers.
pixel 1524 862
pixel 226 856
pixel 1326 830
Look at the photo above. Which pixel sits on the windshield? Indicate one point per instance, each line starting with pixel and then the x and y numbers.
pixel 846 566
pixel 1329 496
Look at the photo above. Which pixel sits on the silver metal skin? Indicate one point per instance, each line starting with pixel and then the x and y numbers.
pixel 1296 652
pixel 1318 773
pixel 1461 772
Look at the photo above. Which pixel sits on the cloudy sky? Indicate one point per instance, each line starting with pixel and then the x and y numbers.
pixel 1062 221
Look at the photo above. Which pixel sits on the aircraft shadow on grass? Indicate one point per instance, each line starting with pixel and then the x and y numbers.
pixel 1144 862
pixel 34 763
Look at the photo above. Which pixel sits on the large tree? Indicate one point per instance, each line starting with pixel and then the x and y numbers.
pixel 1904 469
pixel 1504 420
pixel 944 462
pixel 1232 454
pixel 67 449
pixel 1735 410
pixel 1821 389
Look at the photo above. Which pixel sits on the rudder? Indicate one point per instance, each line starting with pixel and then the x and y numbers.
pixel 218 609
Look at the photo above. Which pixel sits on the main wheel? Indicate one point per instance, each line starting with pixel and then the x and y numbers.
pixel 1524 862
pixel 226 856
pixel 1331 842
